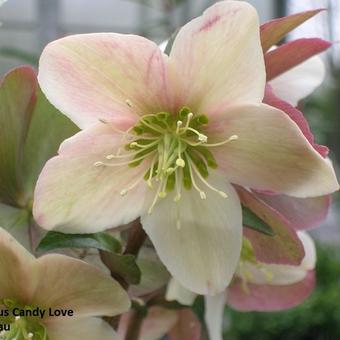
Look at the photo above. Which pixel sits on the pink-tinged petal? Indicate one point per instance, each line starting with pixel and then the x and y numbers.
pixel 17 99
pixel 300 81
pixel 203 251
pixel 280 274
pixel 17 278
pixel 95 76
pixel 214 313
pixel 84 329
pixel 73 195
pixel 218 58
pixel 297 116
pixel 274 31
pixel 63 282
pixel 302 213
pixel 282 248
pixel 271 153
pixel 156 324
pixel 187 326
pixel 286 56
pixel 269 298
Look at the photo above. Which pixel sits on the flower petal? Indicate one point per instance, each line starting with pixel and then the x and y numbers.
pixel 297 116
pixel 269 298
pixel 300 81
pixel 302 213
pixel 67 283
pixel 85 329
pixel 73 195
pixel 91 76
pixel 219 59
pixel 17 277
pixel 203 253
pixel 284 247
pixel 176 292
pixel 214 312
pixel 156 324
pixel 271 153
pixel 274 31
pixel 187 326
pixel 285 57
pixel 17 99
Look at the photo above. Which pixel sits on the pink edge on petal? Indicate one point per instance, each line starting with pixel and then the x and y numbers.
pixel 302 213
pixel 274 31
pixel 297 116
pixel 292 54
pixel 187 326
pixel 265 298
pixel 284 247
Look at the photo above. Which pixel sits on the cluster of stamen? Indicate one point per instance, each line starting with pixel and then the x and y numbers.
pixel 177 149
pixel 21 328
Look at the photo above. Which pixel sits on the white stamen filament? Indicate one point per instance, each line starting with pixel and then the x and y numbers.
pixel 132 186
pixel 201 192
pixel 222 193
pixel 98 164
pixel 230 139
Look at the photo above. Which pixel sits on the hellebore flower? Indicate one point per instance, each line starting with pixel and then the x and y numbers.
pixel 55 282
pixel 256 286
pixel 164 137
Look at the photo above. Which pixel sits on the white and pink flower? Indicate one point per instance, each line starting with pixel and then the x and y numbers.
pixel 165 138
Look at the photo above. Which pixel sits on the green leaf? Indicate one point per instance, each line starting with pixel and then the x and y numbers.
pixel 103 241
pixel 48 129
pixel 250 220
pixel 17 99
pixel 123 266
pixel 154 273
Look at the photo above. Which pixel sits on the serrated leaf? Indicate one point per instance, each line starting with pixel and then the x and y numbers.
pixel 17 99
pixel 250 220
pixel 123 266
pixel 55 240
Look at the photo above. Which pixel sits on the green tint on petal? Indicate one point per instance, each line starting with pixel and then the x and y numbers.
pixel 48 129
pixel 17 97
pixel 274 31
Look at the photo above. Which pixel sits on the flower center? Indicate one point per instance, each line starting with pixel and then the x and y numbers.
pixel 178 151
pixel 20 327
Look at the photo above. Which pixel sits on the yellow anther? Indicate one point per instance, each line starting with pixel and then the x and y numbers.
pixel 180 162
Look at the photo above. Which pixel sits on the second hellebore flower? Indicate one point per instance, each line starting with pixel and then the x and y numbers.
pixel 164 137
pixel 32 290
